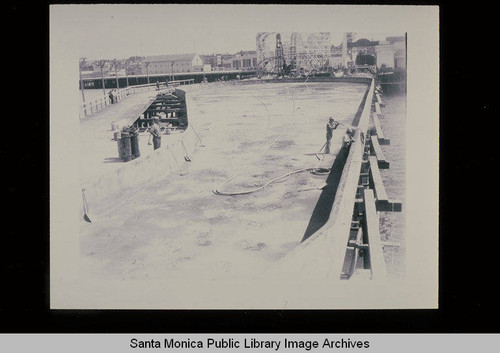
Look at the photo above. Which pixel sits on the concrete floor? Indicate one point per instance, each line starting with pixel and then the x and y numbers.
pixel 176 227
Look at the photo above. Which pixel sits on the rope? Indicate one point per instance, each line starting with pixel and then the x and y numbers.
pixel 268 116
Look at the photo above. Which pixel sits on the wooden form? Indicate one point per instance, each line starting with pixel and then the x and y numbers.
pixel 377 150
pixel 377 262
pixel 383 203
pixel 378 132
pixel 342 209
pixel 379 100
pixel 378 110
pixel 378 185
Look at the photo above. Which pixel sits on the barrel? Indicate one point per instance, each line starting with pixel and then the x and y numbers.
pixel 125 150
pixel 134 144
pixel 116 135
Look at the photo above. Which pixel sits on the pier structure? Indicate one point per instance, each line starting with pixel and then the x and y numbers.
pixel 90 107
pixel 347 246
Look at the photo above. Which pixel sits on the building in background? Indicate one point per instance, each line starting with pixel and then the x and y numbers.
pixel 391 53
pixel 324 51
pixel 176 63
pixel 243 60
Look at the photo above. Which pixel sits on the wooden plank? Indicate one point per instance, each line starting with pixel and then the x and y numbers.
pixel 377 180
pixel 378 129
pixel 382 203
pixel 163 110
pixel 389 206
pixel 378 110
pixel 382 162
pixel 377 261
pixel 379 100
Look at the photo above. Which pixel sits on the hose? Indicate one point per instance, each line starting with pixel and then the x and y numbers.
pixel 314 170
pixel 268 116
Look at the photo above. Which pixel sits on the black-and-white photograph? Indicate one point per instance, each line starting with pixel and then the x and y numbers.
pixel 239 157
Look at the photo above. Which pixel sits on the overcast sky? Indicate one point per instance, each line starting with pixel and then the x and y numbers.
pixel 121 31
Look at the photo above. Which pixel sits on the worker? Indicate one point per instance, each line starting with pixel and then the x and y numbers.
pixel 330 126
pixel 348 138
pixel 157 85
pixel 155 132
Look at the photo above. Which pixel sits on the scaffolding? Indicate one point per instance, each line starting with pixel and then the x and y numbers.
pixel 307 52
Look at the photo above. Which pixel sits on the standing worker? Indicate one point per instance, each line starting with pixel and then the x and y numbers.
pixel 157 85
pixel 330 126
pixel 155 132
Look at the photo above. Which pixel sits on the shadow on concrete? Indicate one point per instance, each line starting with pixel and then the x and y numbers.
pixel 321 212
pixel 323 207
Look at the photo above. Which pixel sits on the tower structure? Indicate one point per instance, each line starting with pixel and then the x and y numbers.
pixel 279 58
pixel 293 49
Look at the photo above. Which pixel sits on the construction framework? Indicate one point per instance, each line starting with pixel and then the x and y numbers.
pixel 307 52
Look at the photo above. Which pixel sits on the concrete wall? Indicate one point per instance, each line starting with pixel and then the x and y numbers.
pixel 118 184
pixel 321 256
pixel 139 173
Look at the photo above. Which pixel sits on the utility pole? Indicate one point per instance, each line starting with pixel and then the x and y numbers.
pixel 126 73
pixel 147 69
pixel 172 69
pixel 116 74
pixel 82 85
pixel 101 65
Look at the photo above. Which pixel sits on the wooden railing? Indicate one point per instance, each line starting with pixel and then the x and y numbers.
pixel 93 106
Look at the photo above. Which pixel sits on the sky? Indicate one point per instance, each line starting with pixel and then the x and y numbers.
pixel 120 31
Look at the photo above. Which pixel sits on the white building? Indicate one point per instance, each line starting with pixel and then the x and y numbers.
pixel 392 53
pixel 166 64
pixel 385 54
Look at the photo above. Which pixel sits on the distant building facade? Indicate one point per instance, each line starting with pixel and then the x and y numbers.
pixel 166 64
pixel 391 53
pixel 243 60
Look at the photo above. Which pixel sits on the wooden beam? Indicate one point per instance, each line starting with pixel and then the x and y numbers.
pixel 382 203
pixel 377 262
pixel 378 129
pixel 382 162
pixel 378 110
pixel 377 180
pixel 379 100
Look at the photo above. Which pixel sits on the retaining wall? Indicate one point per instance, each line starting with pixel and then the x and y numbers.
pixel 321 256
pixel 132 176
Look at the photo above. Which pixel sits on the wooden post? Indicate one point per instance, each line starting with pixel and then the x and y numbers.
pixel 382 162
pixel 116 75
pixel 377 261
pixel 380 134
pixel 101 65
pixel 82 84
pixel 147 69
pixel 377 180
